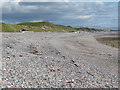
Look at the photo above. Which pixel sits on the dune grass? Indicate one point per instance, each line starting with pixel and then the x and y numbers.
pixel 36 27
pixel 17 28
pixel 39 27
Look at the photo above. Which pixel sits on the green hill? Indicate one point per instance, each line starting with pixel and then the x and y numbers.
pixel 38 27
pixel 88 29
pixel 17 28
pixel 37 23
pixel 47 26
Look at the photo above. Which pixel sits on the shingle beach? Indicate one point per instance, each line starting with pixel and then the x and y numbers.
pixel 57 60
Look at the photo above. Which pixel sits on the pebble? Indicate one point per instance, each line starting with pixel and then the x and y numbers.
pixel 60 69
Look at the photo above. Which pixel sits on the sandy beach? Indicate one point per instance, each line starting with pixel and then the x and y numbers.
pixel 58 60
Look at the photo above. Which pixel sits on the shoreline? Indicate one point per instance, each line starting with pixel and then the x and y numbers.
pixel 109 39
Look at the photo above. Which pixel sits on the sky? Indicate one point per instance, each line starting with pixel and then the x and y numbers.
pixel 90 13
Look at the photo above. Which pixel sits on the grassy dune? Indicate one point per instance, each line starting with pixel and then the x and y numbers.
pixel 16 28
pixel 40 27
pixel 36 27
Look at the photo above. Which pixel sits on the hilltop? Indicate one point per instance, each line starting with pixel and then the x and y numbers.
pixel 41 27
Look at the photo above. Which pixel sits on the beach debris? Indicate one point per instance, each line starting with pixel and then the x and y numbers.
pixel 76 65
pixel 58 52
pixel 8 57
pixel 90 73
pixel 20 55
pixel 72 61
pixel 64 57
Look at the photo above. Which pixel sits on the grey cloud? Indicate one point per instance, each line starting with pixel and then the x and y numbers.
pixel 61 13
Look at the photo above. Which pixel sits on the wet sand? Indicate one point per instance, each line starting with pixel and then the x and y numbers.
pixel 110 39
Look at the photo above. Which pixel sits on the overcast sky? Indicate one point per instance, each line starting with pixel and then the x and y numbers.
pixel 76 14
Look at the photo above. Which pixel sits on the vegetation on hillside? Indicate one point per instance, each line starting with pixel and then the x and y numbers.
pixel 88 29
pixel 17 28
pixel 41 27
